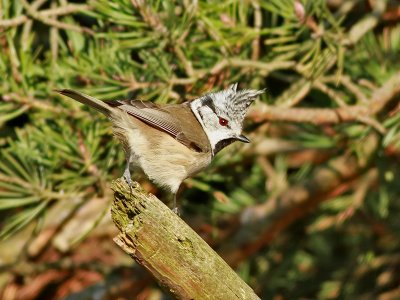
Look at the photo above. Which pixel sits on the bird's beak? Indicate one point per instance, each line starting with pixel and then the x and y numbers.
pixel 242 138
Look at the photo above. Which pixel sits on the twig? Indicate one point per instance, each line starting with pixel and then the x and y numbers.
pixel 330 92
pixel 53 40
pixel 170 250
pixel 265 68
pixel 37 4
pixel 58 11
pixel 353 88
pixel 14 22
pixel 44 19
pixel 255 44
pixel 360 192
pixel 379 99
pixel 367 23
pixel 308 21
pixel 32 102
pixel 341 103
pixel 243 63
pixel 263 113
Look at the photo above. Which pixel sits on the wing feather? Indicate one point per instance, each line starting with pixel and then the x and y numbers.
pixel 157 117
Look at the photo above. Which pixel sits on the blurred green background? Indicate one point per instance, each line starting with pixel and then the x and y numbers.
pixel 308 210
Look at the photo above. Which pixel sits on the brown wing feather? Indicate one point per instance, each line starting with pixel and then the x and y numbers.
pixel 168 118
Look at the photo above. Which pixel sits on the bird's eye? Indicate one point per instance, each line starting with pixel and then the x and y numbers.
pixel 223 122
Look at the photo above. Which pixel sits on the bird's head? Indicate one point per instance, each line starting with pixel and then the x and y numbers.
pixel 221 115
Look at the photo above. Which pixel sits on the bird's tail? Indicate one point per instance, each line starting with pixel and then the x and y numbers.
pixel 88 100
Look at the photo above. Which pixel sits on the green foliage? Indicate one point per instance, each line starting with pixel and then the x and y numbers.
pixel 317 202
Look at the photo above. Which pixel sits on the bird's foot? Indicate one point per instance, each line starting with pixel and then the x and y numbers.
pixel 128 179
pixel 176 210
pixel 175 206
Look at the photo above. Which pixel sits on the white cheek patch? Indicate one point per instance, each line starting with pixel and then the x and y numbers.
pixel 218 135
pixel 210 124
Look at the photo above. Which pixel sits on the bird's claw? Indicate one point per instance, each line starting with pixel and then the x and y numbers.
pixel 127 177
pixel 128 180
pixel 176 210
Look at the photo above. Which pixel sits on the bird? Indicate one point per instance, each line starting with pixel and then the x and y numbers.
pixel 172 142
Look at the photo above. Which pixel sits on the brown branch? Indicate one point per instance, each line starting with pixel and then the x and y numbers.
pixel 32 102
pixel 379 99
pixel 52 22
pixel 255 44
pixel 170 250
pixel 367 23
pixel 57 11
pixel 341 103
pixel 243 63
pixel 263 113
pixel 353 88
pixel 14 22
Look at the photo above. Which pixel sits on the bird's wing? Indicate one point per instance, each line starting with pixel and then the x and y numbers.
pixel 157 117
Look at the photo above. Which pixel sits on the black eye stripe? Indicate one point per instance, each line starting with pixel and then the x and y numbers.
pixel 207 101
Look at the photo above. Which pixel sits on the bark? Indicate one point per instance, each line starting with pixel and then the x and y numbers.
pixel 179 259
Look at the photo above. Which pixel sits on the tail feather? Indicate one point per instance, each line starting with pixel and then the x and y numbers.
pixel 88 100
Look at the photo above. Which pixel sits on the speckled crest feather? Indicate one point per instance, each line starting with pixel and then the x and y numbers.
pixel 236 103
pixel 228 106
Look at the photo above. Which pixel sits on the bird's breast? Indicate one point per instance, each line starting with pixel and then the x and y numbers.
pixel 163 159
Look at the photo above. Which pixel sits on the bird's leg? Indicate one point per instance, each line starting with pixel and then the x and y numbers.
pixel 175 208
pixel 127 174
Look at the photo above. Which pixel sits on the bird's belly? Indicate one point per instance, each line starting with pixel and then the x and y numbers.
pixel 163 159
pixel 168 168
